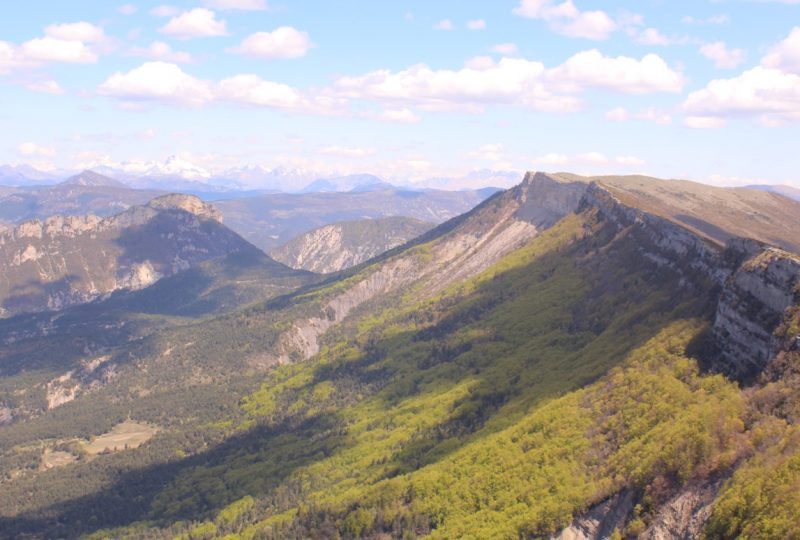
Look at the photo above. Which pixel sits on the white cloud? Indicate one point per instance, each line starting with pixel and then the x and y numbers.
pixel 250 89
pixel 565 18
pixel 30 149
pixel 786 54
pixel 588 162
pixel 157 81
pixel 651 36
pixel 617 114
pixel 283 42
pixel 79 31
pixel 444 24
pixel 770 91
pixel 621 74
pixel 242 5
pixel 757 91
pixel 508 49
pixel 704 122
pixel 164 11
pixel 46 87
pixel 50 49
pixel 127 9
pixel 162 51
pixel 348 151
pixel 408 16
pixel 722 56
pixel 477 24
pixel 148 134
pixel 509 81
pixel 401 116
pixel 198 22
pixel 488 152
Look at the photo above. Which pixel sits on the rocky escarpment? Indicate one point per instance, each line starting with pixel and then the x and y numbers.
pixel 452 252
pixel 65 260
pixel 753 302
pixel 345 244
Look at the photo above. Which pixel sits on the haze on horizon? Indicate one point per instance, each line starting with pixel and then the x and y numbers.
pixel 708 91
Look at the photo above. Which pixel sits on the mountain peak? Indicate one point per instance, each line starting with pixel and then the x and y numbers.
pixel 188 203
pixel 91 178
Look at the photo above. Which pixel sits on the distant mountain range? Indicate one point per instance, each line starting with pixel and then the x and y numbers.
pixel 178 174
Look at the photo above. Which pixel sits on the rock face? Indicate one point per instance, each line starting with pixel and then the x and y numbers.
pixel 454 251
pixel 63 261
pixel 345 244
pixel 752 304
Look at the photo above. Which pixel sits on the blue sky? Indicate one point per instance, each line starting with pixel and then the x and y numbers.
pixel 706 90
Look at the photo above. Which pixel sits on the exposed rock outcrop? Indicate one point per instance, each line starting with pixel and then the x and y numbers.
pixel 66 260
pixel 339 246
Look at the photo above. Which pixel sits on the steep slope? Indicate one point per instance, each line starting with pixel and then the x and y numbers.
pixel 341 245
pixel 73 259
pixel 525 370
pixel 269 221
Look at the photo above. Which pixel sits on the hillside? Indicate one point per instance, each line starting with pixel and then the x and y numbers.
pixel 558 361
pixel 345 244
pixel 84 193
pixel 715 213
pixel 65 260
pixel 269 221
pixel 786 191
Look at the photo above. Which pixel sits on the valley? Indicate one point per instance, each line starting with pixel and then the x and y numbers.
pixel 571 347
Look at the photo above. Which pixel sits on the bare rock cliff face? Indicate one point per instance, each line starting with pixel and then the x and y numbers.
pixel 453 252
pixel 751 306
pixel 64 261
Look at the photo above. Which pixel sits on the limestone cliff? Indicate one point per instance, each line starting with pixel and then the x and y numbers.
pixel 65 260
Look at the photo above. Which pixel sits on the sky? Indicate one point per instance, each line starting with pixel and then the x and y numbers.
pixel 704 90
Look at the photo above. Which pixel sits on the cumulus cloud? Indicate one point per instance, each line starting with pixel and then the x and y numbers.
pixel 50 49
pixel 722 56
pixel 509 81
pixel 770 91
pixel 241 5
pixel 566 19
pixel 786 54
pixel 477 24
pixel 162 51
pixel 127 9
pixel 283 42
pixel 154 82
pixel 198 22
pixel 30 149
pixel 79 31
pixel 757 91
pixel 164 82
pixel 46 87
pixel 621 73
